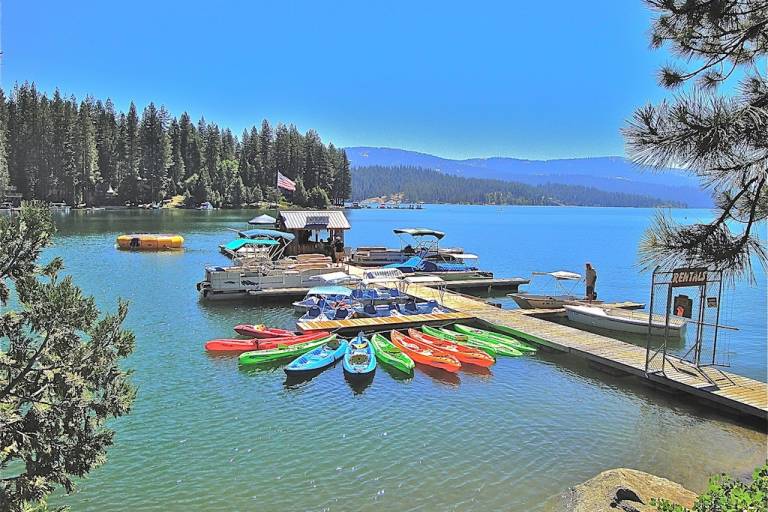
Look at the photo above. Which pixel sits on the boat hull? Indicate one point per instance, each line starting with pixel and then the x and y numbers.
pixel 359 360
pixel 494 337
pixel 618 324
pixel 265 356
pixel 317 359
pixel 389 354
pixel 431 357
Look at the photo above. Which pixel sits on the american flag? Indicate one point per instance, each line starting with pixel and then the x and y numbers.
pixel 284 182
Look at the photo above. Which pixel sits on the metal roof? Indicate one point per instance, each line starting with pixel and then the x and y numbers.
pixel 314 219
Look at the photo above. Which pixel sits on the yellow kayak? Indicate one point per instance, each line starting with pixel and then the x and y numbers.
pixel 150 242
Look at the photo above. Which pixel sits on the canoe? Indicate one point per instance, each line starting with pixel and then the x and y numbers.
pixel 281 352
pixel 501 338
pixel 239 345
pixel 359 358
pixel 389 354
pixel 318 358
pixel 465 355
pixel 425 354
pixel 262 331
pixel 489 348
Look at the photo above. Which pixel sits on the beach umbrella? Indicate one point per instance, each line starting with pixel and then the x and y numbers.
pixel 262 220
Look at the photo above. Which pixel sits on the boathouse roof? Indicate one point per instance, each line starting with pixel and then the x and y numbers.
pixel 314 219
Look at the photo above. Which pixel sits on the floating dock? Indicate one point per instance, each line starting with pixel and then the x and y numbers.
pixel 488 285
pixel 708 385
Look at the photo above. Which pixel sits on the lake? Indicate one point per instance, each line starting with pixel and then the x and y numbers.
pixel 205 435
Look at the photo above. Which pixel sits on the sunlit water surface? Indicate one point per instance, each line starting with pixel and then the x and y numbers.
pixel 205 435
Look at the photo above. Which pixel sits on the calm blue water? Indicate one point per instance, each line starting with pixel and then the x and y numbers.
pixel 205 435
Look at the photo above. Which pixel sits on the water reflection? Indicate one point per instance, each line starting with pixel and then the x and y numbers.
pixel 441 376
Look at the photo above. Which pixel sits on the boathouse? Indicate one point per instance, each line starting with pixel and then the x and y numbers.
pixel 315 230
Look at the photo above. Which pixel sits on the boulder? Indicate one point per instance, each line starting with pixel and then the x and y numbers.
pixel 623 490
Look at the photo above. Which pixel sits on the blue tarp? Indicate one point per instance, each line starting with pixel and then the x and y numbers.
pixel 409 265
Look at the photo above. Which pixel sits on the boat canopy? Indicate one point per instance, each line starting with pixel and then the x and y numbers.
pixel 423 279
pixel 239 243
pixel 384 273
pixel 334 278
pixel 419 232
pixel 562 275
pixel 262 220
pixel 269 233
pixel 330 290
pixel 464 256
pixel 379 280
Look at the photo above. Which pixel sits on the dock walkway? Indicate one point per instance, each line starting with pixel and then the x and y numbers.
pixel 713 386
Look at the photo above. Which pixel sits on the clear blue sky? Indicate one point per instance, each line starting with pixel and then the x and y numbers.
pixel 458 79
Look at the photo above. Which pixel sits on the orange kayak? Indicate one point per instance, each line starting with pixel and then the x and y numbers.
pixel 424 353
pixel 464 354
pixel 239 345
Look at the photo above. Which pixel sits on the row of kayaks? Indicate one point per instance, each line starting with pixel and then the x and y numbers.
pixel 441 348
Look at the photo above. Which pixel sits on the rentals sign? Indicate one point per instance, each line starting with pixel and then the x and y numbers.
pixel 689 277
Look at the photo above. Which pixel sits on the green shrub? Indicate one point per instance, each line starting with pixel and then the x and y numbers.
pixel 725 494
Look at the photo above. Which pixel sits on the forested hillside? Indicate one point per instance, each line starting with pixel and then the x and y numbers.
pixel 430 186
pixel 62 149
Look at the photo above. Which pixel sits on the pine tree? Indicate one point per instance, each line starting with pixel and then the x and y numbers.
pixel 85 154
pixel 131 180
pixel 282 152
pixel 155 151
pixel 176 173
pixel 723 140
pixel 269 174
pixel 300 194
pixel 106 141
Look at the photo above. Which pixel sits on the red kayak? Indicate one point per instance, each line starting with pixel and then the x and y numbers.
pixel 235 345
pixel 464 354
pixel 425 354
pixel 261 331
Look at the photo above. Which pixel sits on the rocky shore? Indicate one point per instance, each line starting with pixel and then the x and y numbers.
pixel 624 490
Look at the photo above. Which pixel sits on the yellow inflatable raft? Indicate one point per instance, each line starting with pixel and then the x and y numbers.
pixel 150 242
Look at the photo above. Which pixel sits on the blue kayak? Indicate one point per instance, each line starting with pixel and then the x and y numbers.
pixel 359 358
pixel 318 358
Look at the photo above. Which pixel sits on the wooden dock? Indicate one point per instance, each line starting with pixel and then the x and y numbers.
pixel 708 385
pixel 386 323
pixel 499 284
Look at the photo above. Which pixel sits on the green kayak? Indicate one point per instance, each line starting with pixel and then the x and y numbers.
pixel 389 354
pixel 490 347
pixel 282 351
pixel 493 336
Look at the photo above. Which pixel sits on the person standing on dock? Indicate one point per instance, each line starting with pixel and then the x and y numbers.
pixel 591 279
pixel 338 248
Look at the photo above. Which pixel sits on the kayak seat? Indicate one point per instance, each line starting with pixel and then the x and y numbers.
pixel 341 314
pixel 369 309
pixel 313 312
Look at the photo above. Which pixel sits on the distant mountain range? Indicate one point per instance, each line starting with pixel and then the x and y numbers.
pixel 611 173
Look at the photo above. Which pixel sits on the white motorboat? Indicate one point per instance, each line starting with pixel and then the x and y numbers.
pixel 559 297
pixel 621 320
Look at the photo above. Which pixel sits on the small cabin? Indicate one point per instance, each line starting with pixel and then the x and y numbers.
pixel 315 230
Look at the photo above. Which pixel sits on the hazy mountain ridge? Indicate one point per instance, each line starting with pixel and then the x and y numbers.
pixel 414 184
pixel 611 173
